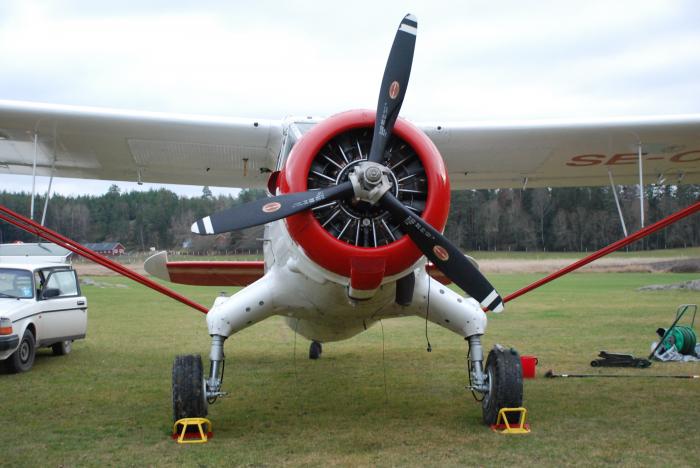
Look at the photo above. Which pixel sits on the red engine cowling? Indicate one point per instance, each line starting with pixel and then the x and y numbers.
pixel 360 242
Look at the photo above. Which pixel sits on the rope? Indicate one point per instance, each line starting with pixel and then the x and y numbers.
pixel 677 216
pixel 386 392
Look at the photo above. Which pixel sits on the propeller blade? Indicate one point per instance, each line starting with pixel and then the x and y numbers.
pixel 269 209
pixel 394 83
pixel 446 257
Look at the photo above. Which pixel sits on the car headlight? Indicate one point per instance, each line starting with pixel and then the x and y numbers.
pixel 5 326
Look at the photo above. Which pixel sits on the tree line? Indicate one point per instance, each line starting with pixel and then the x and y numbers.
pixel 551 219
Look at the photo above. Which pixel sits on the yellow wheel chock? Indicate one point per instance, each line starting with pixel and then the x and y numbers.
pixel 197 437
pixel 502 425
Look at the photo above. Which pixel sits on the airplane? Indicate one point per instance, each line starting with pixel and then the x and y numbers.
pixel 356 208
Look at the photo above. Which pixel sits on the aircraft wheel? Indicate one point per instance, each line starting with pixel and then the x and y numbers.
pixel 23 358
pixel 189 388
pixel 62 348
pixel 315 350
pixel 505 381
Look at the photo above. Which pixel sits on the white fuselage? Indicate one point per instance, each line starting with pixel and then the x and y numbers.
pixel 316 303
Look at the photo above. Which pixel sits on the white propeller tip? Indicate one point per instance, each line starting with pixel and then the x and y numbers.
pixel 203 226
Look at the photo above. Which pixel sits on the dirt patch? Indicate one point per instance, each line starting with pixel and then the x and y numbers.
pixel 614 265
pixel 692 285
pixel 85 281
pixel 93 269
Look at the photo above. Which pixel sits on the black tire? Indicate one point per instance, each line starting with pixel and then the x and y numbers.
pixel 505 377
pixel 595 363
pixel 189 394
pixel 315 350
pixel 23 358
pixel 62 348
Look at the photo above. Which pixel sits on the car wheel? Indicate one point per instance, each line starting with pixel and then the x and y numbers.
pixel 189 393
pixel 62 348
pixel 23 358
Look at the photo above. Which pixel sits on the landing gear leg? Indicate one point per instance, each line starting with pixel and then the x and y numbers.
pixel 500 382
pixel 216 371
pixel 315 350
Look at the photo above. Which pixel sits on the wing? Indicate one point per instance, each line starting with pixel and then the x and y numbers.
pixel 551 154
pixel 137 146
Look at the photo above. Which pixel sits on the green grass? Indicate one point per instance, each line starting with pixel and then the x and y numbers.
pixel 108 403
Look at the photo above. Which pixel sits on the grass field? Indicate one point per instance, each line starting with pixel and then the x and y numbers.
pixel 108 403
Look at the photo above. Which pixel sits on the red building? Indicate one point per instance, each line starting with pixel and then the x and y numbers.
pixel 107 248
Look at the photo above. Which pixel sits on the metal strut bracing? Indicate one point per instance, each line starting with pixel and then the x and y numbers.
pixel 677 216
pixel 33 227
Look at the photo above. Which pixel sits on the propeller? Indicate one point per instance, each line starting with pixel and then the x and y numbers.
pixel 369 182
pixel 266 210
pixel 394 84
pixel 444 255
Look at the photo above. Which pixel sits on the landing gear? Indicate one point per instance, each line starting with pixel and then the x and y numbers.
pixel 500 383
pixel 315 350
pixel 189 388
pixel 192 394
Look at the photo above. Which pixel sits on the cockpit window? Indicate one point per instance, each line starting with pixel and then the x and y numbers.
pixel 16 283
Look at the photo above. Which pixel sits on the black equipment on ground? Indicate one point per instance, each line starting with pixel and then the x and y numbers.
pixel 619 360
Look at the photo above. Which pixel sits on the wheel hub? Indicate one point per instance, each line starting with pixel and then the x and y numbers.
pixel 24 351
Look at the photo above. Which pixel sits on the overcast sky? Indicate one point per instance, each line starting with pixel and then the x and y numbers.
pixel 474 60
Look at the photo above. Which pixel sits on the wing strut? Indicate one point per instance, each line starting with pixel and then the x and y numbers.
pixel 32 227
pixel 677 216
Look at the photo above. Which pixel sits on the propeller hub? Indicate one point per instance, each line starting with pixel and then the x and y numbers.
pixel 370 181
pixel 373 175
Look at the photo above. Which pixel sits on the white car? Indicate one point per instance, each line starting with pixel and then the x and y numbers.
pixel 40 305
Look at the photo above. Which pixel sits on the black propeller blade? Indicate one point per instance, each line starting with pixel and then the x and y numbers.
pixel 446 257
pixel 394 84
pixel 269 209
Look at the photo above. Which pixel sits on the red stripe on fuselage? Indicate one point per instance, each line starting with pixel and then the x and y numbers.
pixel 216 273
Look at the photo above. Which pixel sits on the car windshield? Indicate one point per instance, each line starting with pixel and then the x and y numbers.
pixel 16 283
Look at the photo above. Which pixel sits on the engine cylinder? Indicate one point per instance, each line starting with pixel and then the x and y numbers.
pixel 350 235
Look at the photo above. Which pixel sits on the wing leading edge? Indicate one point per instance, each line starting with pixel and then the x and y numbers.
pixel 137 146
pixel 569 153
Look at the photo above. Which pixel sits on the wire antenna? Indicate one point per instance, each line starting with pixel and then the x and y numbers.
pixel 427 313
pixel 386 392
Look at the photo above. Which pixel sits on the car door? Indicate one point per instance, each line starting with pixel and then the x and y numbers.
pixel 64 310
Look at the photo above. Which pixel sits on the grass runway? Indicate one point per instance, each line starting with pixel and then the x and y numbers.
pixel 108 403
